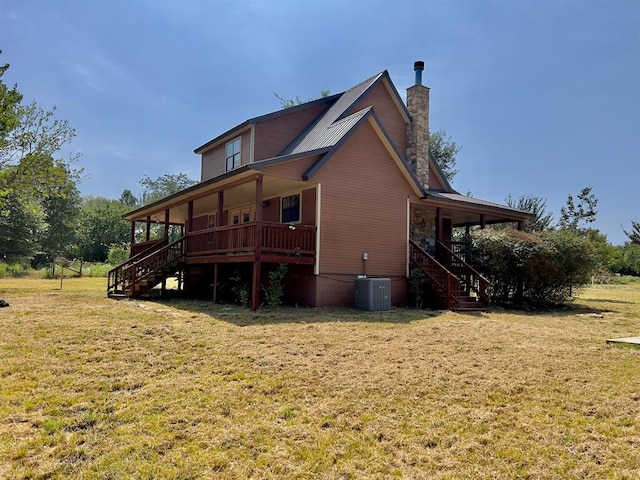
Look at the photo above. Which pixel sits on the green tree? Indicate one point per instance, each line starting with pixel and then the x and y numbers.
pixel 101 225
pixel 575 212
pixel 634 234
pixel 163 186
pixel 535 205
pixel 129 199
pixel 443 150
pixel 33 183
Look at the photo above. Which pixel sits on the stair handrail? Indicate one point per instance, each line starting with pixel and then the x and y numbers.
pixel 145 272
pixel 452 287
pixel 113 273
pixel 483 283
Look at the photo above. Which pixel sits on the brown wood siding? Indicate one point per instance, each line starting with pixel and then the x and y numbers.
pixel 364 209
pixel 214 161
pixel 199 223
pixel 387 111
pixel 434 183
pixel 271 212
pixel 339 291
pixel 274 134
pixel 308 198
pixel 292 169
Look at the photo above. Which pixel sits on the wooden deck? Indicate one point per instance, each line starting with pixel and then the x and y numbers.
pixel 250 242
pixel 256 242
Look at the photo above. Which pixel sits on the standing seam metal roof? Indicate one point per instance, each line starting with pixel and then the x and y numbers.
pixel 320 131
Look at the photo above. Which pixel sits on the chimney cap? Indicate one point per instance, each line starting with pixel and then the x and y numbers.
pixel 418 65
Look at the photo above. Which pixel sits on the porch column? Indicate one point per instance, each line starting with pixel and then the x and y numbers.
pixel 220 219
pixel 255 292
pixel 438 225
pixel 190 216
pixel 166 223
pixel 483 222
pixel 147 235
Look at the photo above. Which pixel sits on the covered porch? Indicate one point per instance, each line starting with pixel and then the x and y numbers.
pixel 243 217
pixel 443 256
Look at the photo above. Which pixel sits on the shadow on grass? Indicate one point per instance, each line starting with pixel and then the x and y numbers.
pixel 243 316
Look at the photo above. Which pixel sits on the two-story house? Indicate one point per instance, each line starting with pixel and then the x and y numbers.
pixel 318 186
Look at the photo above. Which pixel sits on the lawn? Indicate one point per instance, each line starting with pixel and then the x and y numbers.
pixel 94 388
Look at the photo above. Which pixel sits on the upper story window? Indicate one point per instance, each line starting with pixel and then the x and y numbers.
pixel 233 154
pixel 291 208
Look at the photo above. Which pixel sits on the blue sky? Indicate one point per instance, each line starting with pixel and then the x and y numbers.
pixel 543 96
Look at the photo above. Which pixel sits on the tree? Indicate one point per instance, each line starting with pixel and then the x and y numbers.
pixel 443 150
pixel 634 234
pixel 33 183
pixel 584 210
pixel 292 102
pixel 163 186
pixel 129 199
pixel 101 225
pixel 535 205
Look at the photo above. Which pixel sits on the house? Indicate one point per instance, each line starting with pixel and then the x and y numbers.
pixel 336 188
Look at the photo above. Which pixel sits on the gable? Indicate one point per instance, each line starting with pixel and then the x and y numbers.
pixel 387 110
pixel 272 135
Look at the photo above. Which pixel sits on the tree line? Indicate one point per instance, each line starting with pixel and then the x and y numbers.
pixel 41 210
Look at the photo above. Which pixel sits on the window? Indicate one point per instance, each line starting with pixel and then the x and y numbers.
pixel 233 154
pixel 211 221
pixel 291 208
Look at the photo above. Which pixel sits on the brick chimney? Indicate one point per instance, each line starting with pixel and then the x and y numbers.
pixel 418 129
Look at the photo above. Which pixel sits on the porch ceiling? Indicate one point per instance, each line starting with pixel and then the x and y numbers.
pixel 235 197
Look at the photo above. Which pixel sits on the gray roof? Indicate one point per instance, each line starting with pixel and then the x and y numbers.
pixel 456 197
pixel 329 125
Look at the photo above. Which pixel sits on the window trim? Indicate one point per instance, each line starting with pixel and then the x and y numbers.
pixel 232 157
pixel 291 222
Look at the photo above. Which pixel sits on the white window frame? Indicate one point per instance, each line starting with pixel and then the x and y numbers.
pixel 235 157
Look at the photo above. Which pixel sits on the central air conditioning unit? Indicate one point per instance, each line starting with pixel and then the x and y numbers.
pixel 373 294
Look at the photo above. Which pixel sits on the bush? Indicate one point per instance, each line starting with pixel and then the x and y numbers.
pixel 118 253
pixel 533 268
pixel 275 290
pixel 14 270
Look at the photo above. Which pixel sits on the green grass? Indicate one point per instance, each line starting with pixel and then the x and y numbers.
pixel 95 388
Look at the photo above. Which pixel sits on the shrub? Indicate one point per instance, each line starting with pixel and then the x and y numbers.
pixel 15 270
pixel 533 268
pixel 118 253
pixel 275 290
pixel 416 286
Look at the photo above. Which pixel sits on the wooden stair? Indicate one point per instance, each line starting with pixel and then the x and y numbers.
pixel 467 291
pixel 142 272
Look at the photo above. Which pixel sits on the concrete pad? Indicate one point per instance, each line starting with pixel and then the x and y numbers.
pixel 629 340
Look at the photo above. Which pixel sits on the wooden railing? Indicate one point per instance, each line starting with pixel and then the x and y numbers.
pixel 238 239
pixel 115 277
pixel 142 247
pixel 470 278
pixel 124 277
pixel 440 280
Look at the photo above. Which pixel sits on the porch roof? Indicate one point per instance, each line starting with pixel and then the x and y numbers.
pixel 466 210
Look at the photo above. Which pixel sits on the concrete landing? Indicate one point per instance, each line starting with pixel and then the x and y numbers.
pixel 629 340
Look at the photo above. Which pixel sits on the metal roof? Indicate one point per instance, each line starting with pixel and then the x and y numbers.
pixel 319 132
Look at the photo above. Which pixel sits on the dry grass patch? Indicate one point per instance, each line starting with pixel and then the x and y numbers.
pixel 94 388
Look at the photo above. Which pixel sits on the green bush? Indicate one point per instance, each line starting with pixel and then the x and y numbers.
pixel 275 290
pixel 118 253
pixel 533 268
pixel 15 270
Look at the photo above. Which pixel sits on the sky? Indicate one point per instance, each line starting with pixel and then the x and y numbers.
pixel 542 95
